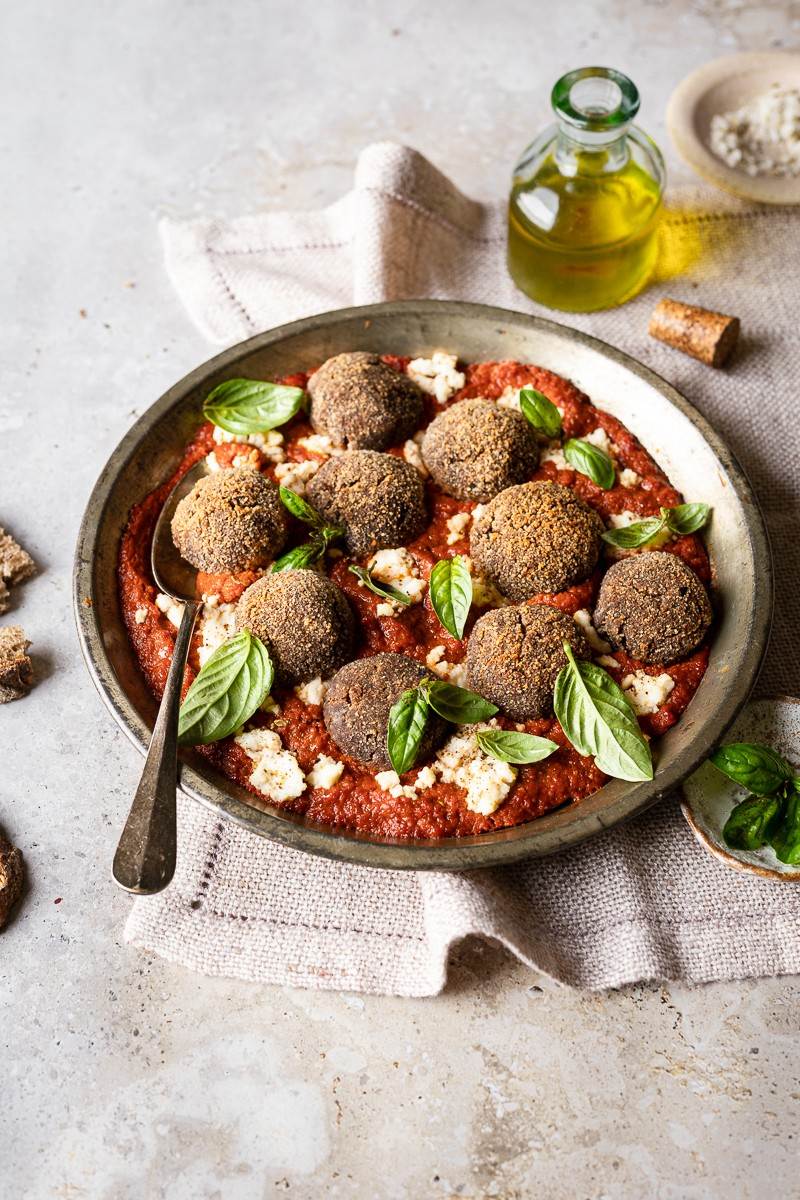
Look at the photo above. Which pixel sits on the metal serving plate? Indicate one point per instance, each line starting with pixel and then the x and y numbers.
pixel 693 456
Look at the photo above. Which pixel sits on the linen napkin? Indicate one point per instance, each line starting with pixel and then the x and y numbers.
pixel 641 901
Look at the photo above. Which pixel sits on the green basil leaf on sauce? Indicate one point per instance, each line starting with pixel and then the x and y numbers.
pixel 758 768
pixel 407 720
pixel 456 704
pixel 686 518
pixel 785 839
pixel 300 557
pixel 590 461
pixel 541 412
pixel 511 746
pixel 300 508
pixel 451 593
pixel 384 590
pixel 227 691
pixel 753 822
pixel 639 533
pixel 242 406
pixel 599 721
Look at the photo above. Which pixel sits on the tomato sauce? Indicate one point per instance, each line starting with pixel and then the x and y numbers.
pixel 356 802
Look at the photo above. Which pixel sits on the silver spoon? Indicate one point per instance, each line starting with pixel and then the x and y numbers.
pixel 145 859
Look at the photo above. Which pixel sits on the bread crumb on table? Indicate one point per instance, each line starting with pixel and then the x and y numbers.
pixel 16 669
pixel 11 876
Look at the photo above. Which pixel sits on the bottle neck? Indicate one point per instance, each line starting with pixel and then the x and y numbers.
pixel 590 152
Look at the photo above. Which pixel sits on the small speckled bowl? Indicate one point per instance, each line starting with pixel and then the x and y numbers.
pixel 709 796
pixel 723 86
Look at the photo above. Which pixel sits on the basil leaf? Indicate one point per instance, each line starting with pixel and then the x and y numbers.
pixel 407 720
pixel 636 534
pixel 757 768
pixel 514 747
pixel 252 406
pixel 686 518
pixel 300 508
pixel 785 840
pixel 300 557
pixel 451 593
pixel 541 412
pixel 590 461
pixel 457 704
pixel 385 590
pixel 752 822
pixel 599 721
pixel 227 691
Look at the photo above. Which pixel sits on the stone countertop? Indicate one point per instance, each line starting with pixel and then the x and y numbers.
pixel 124 1077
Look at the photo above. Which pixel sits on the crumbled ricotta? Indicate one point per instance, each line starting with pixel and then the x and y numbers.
pixel 478 511
pixel 389 781
pixel 453 672
pixel 319 443
pixel 763 136
pixel 250 460
pixel 456 527
pixel 629 478
pixel 438 375
pixel 276 773
pixel 295 475
pixel 620 520
pixel 217 624
pixel 413 455
pixel 325 772
pixel 485 594
pixel 606 660
pixel 647 692
pixel 434 656
pixel 583 618
pixel 312 692
pixel 386 780
pixel 599 438
pixel 486 780
pixel 171 609
pixel 398 567
pixel 140 616
pixel 212 463
pixel 509 398
pixel 426 778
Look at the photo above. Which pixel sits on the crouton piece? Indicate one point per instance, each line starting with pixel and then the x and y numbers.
pixel 16 670
pixel 5 596
pixel 10 878
pixel 15 563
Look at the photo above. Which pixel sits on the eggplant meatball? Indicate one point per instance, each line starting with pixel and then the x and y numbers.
pixel 536 537
pixel 475 449
pixel 362 403
pixel 653 607
pixel 378 499
pixel 230 521
pixel 514 656
pixel 303 619
pixel 358 702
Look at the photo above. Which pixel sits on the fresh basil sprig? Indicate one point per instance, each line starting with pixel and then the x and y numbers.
pixel 322 534
pixel 771 814
pixel 785 838
pixel 753 822
pixel 684 518
pixel 758 768
pixel 591 461
pixel 408 717
pixel 384 590
pixel 511 746
pixel 541 412
pixel 598 719
pixel 451 593
pixel 242 406
pixel 227 690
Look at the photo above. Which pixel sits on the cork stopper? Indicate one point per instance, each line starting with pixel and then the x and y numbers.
pixel 707 336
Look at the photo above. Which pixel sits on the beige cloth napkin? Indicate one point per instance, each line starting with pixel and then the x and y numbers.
pixel 642 901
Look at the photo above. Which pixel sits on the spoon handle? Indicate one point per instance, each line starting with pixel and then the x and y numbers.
pixel 145 859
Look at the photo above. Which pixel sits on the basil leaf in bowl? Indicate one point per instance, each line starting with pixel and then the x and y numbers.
pixel 242 406
pixel 752 823
pixel 591 461
pixel 450 587
pixel 512 746
pixel 540 412
pixel 407 720
pixel 686 518
pixel 758 768
pixel 384 590
pixel 638 533
pixel 227 691
pixel 456 704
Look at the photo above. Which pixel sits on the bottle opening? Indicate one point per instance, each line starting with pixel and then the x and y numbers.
pixel 595 99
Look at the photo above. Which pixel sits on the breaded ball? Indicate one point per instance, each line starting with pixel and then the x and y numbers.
pixel 475 449
pixel 362 403
pixel 514 656
pixel 653 607
pixel 378 499
pixel 536 537
pixel 303 619
pixel 358 702
pixel 230 521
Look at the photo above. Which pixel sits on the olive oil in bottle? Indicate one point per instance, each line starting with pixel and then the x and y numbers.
pixel 586 198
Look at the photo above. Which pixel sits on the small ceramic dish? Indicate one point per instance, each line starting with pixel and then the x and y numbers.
pixel 723 86
pixel 709 796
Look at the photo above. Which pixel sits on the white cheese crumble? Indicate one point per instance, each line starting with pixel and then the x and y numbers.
pixel 763 136
pixel 212 464
pixel 276 773
pixel 486 780
pixel 438 375
pixel 269 443
pixel 413 455
pixel 583 618
pixel 606 660
pixel 398 568
pixel 312 692
pixel 140 616
pixel 171 609
pixel 217 624
pixel 620 520
pixel 484 592
pixel 319 443
pixel 295 475
pixel 509 398
pixel 389 781
pixel 599 437
pixel 629 478
pixel 453 672
pixel 434 656
pixel 250 460
pixel 456 527
pixel 647 692
pixel 478 511
pixel 325 772
pixel 426 778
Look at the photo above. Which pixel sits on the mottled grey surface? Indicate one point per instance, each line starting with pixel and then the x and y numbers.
pixel 124 1077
